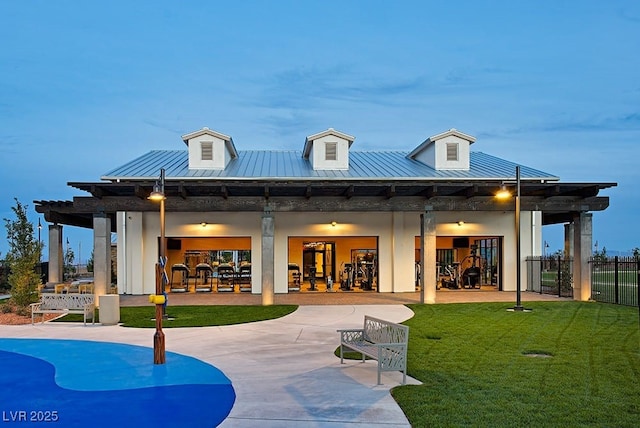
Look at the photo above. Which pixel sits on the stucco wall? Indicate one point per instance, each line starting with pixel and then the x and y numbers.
pixel 396 233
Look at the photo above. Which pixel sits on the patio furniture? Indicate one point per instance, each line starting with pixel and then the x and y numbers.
pixel 380 340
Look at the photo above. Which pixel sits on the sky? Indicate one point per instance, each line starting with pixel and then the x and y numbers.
pixel 86 86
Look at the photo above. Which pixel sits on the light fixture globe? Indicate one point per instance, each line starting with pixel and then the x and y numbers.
pixel 503 193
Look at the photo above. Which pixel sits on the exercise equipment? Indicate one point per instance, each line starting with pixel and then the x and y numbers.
pixel 183 272
pixel 204 277
pixel 294 277
pixel 346 277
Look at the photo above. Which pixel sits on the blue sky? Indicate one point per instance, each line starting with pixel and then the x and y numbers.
pixel 87 86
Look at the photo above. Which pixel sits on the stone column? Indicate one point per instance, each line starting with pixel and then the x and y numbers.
pixel 268 259
pixel 101 254
pixel 568 240
pixel 582 241
pixel 428 257
pixel 56 256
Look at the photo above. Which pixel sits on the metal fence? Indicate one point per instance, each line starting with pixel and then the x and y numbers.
pixel 550 275
pixel 615 280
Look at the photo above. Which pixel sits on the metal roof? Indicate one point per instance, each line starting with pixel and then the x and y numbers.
pixel 290 165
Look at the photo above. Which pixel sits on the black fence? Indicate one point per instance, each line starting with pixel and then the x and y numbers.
pixel 615 280
pixel 550 275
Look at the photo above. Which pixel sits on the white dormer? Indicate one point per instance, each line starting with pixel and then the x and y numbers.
pixel 328 150
pixel 209 149
pixel 446 151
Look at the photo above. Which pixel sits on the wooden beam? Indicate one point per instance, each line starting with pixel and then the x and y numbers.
pixel 391 191
pixel 224 191
pixel 112 204
pixel 431 191
pixel 182 190
pixel 96 191
pixel 308 192
pixel 471 191
pixel 140 192
pixel 349 192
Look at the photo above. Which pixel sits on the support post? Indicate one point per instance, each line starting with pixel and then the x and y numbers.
pixel 101 254
pixel 56 263
pixel 582 242
pixel 268 259
pixel 428 256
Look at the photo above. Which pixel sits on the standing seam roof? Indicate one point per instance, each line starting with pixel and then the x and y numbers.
pixel 260 164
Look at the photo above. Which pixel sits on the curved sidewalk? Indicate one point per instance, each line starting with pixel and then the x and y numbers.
pixel 284 371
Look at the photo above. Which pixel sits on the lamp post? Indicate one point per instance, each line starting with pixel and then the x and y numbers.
pixel 158 195
pixel 503 194
pixel 39 242
pixel 518 306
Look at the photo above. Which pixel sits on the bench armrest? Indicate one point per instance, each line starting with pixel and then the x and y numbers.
pixel 35 306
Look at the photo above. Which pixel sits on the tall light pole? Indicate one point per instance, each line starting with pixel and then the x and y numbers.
pixel 504 194
pixel 159 356
pixel 518 306
pixel 39 242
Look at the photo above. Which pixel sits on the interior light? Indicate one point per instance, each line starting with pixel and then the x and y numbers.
pixel 460 223
pixel 333 223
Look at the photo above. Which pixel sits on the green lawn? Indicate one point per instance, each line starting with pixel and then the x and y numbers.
pixel 473 362
pixel 195 316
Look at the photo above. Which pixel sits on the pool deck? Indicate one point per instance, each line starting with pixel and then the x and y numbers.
pixel 283 371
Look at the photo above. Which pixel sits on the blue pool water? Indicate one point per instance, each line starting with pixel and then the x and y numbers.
pixel 69 383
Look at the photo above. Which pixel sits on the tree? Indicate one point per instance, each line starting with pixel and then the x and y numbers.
pixel 636 253
pixel 90 263
pixel 23 256
pixel 600 256
pixel 69 257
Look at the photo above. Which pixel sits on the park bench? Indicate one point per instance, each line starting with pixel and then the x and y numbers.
pixel 380 340
pixel 71 303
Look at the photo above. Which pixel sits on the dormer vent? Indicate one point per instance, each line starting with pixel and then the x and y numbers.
pixel 328 150
pixel 447 151
pixel 209 149
pixel 206 150
pixel 452 152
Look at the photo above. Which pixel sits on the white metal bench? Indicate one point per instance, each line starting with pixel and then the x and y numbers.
pixel 380 340
pixel 71 303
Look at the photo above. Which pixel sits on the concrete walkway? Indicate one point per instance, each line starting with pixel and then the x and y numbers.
pixel 283 371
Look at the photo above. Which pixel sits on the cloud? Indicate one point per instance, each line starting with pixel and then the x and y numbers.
pixel 628 15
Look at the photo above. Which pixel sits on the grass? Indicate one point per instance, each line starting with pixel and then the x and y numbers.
pixel 195 316
pixel 563 364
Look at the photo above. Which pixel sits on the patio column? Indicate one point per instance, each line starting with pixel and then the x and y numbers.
pixel 582 241
pixel 101 254
pixel 268 228
pixel 568 240
pixel 56 257
pixel 428 256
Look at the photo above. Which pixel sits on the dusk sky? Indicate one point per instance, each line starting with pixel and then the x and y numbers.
pixel 87 86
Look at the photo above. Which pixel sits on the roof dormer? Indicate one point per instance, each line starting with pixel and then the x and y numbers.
pixel 209 149
pixel 328 150
pixel 449 150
